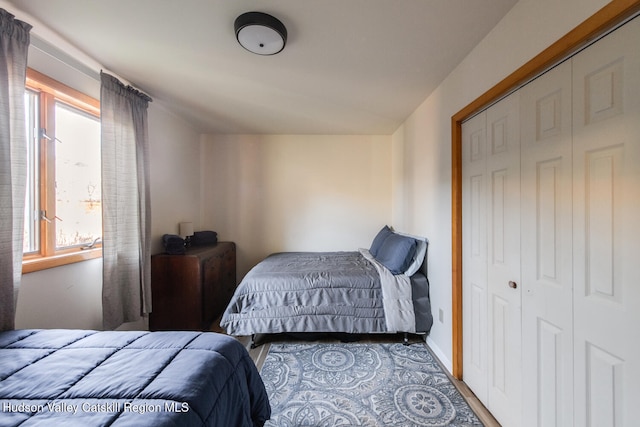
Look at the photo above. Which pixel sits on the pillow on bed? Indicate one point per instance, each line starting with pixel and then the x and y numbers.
pixel 396 253
pixel 379 239
pixel 418 258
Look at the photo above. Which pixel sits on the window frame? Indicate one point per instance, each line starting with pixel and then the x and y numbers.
pixel 50 92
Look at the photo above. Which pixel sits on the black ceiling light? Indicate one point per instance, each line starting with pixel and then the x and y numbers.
pixel 260 33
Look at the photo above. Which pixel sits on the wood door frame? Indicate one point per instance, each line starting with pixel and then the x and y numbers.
pixel 614 13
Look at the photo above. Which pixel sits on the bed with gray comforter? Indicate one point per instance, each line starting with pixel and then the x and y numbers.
pixel 328 292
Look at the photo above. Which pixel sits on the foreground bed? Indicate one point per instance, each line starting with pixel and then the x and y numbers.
pixel 332 292
pixel 89 378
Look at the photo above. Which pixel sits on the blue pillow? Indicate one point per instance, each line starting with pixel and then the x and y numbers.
pixel 396 253
pixel 418 257
pixel 379 239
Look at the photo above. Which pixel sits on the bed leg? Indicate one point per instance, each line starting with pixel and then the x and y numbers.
pixel 406 339
pixel 253 341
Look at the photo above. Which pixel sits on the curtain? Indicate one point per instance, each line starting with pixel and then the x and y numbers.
pixel 126 218
pixel 14 44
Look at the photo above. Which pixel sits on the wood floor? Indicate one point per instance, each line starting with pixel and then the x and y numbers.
pixel 259 353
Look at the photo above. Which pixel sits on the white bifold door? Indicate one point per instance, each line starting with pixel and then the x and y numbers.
pixel 606 230
pixel 547 226
pixel 491 268
pixel 551 243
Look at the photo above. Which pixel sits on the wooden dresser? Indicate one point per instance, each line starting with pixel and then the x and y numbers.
pixel 189 291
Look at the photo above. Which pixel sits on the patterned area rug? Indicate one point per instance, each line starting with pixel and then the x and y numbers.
pixel 356 384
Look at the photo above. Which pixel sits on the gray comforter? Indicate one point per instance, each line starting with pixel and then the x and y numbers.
pixel 321 292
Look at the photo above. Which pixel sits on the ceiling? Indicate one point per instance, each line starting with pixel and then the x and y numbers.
pixel 349 66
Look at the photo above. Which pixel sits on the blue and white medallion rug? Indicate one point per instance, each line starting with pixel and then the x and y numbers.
pixel 353 384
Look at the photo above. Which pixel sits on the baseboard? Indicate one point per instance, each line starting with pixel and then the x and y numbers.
pixel 444 359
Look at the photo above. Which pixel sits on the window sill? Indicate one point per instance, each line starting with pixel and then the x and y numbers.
pixel 31 264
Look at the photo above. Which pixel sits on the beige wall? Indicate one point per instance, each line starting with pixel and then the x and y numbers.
pixel 422 203
pixel 295 192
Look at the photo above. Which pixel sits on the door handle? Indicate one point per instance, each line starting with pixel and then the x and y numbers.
pixel 512 284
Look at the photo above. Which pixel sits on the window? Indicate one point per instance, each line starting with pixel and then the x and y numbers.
pixel 63 212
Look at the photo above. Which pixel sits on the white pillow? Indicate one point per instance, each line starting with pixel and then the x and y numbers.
pixel 418 258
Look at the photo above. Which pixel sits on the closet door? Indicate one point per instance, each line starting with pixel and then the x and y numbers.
pixel 547 317
pixel 503 256
pixel 491 259
pixel 606 232
pixel 474 264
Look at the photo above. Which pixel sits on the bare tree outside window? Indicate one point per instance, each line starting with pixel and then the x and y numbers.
pixel 78 207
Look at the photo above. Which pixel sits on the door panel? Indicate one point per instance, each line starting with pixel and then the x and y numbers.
pixel 547 285
pixel 474 273
pixel 503 247
pixel 491 260
pixel 606 174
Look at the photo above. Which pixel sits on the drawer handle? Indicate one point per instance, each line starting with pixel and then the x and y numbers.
pixel 512 284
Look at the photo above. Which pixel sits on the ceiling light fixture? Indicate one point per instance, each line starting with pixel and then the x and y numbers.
pixel 260 33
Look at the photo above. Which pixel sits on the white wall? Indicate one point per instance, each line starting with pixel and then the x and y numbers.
pixel 422 200
pixel 174 151
pixel 295 192
pixel 63 297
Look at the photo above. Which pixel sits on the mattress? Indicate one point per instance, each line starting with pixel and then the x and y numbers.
pixel 335 292
pixel 91 378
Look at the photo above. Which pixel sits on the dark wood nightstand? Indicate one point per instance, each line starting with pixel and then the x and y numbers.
pixel 189 291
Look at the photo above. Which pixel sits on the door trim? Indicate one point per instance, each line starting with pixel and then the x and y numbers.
pixel 611 15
